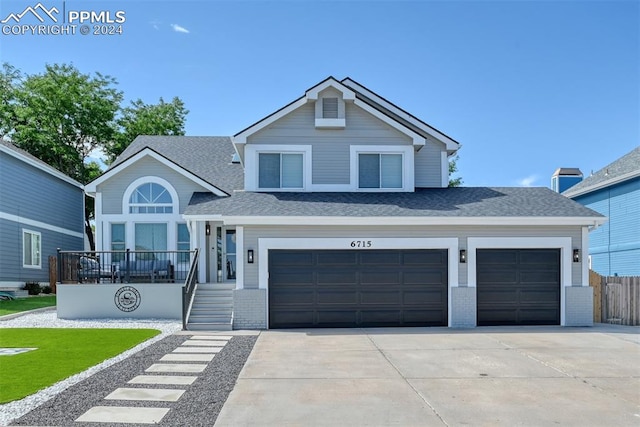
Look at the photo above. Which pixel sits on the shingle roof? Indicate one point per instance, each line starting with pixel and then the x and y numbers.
pixel 627 165
pixel 208 157
pixel 440 202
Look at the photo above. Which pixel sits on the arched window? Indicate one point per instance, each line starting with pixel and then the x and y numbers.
pixel 150 198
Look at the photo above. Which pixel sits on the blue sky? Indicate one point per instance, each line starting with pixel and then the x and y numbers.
pixel 524 86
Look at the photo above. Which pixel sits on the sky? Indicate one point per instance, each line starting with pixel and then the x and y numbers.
pixel 525 86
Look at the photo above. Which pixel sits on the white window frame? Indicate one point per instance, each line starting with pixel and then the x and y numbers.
pixel 408 162
pixel 34 254
pixel 252 152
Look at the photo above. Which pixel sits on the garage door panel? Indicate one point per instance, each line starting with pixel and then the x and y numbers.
pixel 498 276
pixel 540 278
pixel 545 297
pixel 537 257
pixel 370 288
pixel 537 316
pixel 293 258
pixel 496 256
pixel 498 296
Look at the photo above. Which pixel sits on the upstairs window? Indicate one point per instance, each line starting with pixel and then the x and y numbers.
pixel 329 108
pixel 31 243
pixel 150 198
pixel 280 170
pixel 379 170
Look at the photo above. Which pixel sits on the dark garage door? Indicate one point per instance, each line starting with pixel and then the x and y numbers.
pixel 518 286
pixel 347 288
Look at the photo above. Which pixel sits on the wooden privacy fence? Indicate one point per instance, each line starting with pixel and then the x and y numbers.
pixel 615 299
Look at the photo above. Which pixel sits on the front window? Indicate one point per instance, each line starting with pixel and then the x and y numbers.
pixel 280 170
pixel 379 170
pixel 117 241
pixel 184 243
pixel 31 243
pixel 150 198
pixel 150 237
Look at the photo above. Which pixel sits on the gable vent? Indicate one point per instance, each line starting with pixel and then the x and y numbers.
pixel 329 108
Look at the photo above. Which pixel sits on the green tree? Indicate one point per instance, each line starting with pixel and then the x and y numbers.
pixel 453 168
pixel 10 79
pixel 163 118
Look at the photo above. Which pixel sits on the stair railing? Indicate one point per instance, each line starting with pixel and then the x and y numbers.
pixel 189 290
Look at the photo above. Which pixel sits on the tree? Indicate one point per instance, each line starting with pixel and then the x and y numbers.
pixel 9 82
pixel 453 168
pixel 164 118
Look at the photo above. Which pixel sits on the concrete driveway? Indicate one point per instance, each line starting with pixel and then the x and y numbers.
pixel 532 376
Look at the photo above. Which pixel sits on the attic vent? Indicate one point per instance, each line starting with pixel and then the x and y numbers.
pixel 235 158
pixel 329 108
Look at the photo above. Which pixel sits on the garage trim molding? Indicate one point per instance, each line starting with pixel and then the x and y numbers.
pixel 344 243
pixel 562 243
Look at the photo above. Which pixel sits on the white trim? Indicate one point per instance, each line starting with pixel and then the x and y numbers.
pixel 449 143
pixel 347 94
pixel 417 139
pixel 251 165
pixel 444 159
pixel 240 257
pixel 32 233
pixel 323 123
pixel 584 254
pixel 398 220
pixel 617 180
pixel 266 244
pixel 408 165
pixel 146 180
pixel 562 243
pixel 39 224
pixel 331 188
pixel 43 167
pixel 91 187
pixel 99 224
pixel 201 233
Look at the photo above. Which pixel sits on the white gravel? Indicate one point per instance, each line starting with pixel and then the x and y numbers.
pixel 48 319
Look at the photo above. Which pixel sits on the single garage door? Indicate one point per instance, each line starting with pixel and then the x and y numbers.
pixel 349 288
pixel 518 286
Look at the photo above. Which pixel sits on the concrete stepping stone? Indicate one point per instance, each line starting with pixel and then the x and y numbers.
pixel 197 350
pixel 154 394
pixel 211 337
pixel 163 379
pixel 123 414
pixel 190 368
pixel 187 357
pixel 202 343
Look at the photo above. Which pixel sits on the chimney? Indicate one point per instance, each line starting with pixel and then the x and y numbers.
pixel 565 178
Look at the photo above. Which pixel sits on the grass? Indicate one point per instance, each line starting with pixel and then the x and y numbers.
pixel 60 354
pixel 24 304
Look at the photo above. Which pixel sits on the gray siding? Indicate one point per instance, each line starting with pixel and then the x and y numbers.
pixel 330 147
pixel 31 193
pixel 113 189
pixel 252 233
pixel 428 161
pixel 11 269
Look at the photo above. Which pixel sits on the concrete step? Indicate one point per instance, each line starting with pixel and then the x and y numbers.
pixel 209 326
pixel 214 317
pixel 216 286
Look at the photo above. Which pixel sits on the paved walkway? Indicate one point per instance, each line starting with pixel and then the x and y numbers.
pixel 170 371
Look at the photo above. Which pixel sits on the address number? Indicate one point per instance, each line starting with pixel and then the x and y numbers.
pixel 361 244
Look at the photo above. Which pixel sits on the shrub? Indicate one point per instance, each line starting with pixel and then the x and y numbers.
pixel 33 288
pixel 46 289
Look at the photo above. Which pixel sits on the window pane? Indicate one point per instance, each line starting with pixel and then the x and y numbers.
pixel 269 170
pixel 183 233
pixel 151 237
pixel 391 166
pixel 35 246
pixel 231 241
pixel 159 194
pixel 369 170
pixel 26 244
pixel 292 171
pixel 117 233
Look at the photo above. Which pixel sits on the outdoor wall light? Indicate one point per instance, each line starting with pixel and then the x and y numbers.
pixel 207 229
pixel 463 256
pixel 250 256
pixel 576 255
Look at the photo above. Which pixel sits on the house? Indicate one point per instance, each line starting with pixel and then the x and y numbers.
pixel 41 209
pixel 613 191
pixel 334 211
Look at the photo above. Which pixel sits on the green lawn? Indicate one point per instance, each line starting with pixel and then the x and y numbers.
pixel 61 353
pixel 23 304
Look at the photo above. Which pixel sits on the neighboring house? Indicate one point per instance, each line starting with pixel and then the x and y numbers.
pixel 41 209
pixel 614 191
pixel 334 211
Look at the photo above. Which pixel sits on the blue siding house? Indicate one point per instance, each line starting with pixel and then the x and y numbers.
pixel 614 191
pixel 41 209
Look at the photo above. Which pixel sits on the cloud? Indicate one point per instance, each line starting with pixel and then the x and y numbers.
pixel 178 29
pixel 528 181
pixel 155 24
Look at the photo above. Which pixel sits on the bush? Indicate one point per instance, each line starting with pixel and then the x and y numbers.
pixel 46 289
pixel 33 288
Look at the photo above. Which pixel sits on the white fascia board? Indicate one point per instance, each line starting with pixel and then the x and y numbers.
pixel 43 167
pixel 604 184
pixel 241 138
pixel 347 94
pixel 417 139
pixel 91 187
pixel 400 220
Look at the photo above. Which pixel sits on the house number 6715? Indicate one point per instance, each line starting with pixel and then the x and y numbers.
pixel 361 243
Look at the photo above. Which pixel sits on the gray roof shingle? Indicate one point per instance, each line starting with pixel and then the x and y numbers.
pixel 436 202
pixel 611 173
pixel 208 157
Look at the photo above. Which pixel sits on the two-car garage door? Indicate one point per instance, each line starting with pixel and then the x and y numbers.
pixel 350 288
